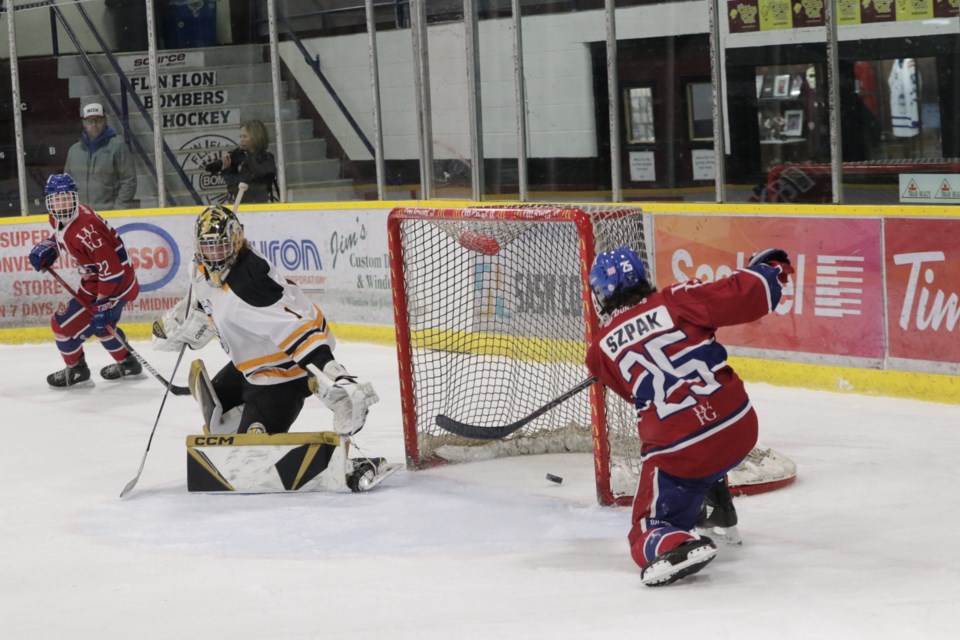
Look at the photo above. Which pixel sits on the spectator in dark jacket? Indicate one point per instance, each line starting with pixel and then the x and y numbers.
pixel 101 164
pixel 250 163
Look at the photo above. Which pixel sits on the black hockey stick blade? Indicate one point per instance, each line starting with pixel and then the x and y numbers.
pixel 478 432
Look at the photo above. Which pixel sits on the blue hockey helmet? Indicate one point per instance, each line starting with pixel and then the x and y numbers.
pixel 616 272
pixel 61 197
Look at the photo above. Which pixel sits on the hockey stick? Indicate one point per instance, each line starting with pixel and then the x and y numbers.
pixel 130 485
pixel 478 432
pixel 174 389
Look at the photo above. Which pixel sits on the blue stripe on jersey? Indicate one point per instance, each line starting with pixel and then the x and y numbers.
pixel 701 435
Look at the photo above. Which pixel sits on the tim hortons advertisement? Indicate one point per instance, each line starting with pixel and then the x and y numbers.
pixel 923 286
pixel 833 306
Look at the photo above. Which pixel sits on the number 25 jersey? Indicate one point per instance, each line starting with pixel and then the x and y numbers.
pixel 662 355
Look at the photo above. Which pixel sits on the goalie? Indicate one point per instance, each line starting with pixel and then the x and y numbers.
pixel 280 345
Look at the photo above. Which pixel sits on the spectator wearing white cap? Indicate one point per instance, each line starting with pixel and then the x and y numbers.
pixel 101 164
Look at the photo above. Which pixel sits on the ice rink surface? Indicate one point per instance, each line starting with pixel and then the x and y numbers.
pixel 863 546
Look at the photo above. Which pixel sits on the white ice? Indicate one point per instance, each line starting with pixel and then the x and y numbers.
pixel 862 546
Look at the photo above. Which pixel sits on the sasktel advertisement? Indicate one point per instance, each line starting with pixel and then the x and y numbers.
pixel 847 299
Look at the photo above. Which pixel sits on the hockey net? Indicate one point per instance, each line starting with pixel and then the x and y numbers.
pixel 493 314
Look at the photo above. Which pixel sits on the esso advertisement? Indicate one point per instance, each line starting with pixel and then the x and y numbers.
pixel 923 289
pixel 833 302
pixel 153 252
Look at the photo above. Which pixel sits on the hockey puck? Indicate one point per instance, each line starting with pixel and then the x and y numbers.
pixel 553 478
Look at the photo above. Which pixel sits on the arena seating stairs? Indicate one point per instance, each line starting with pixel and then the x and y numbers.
pixel 232 83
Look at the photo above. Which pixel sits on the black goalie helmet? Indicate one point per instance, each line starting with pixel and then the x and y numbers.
pixel 218 239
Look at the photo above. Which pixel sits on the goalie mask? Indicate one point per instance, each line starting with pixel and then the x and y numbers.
pixel 219 238
pixel 61 197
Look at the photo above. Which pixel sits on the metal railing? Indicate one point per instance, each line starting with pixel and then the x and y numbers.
pixel 314 63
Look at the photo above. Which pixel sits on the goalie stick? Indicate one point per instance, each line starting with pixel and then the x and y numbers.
pixel 241 189
pixel 174 389
pixel 478 432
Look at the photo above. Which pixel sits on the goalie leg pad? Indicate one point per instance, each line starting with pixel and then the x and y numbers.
pixel 280 463
pixel 763 470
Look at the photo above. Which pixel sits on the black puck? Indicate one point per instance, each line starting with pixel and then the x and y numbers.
pixel 553 478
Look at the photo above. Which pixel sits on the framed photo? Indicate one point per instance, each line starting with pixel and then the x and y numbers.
pixel 638 103
pixel 766 91
pixel 796 84
pixel 781 86
pixel 700 110
pixel 759 85
pixel 793 122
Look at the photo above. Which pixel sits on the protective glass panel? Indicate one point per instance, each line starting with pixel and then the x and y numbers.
pixel 499 108
pixel 449 108
pixel 325 54
pixel 216 102
pixel 71 58
pixel 899 100
pixel 9 188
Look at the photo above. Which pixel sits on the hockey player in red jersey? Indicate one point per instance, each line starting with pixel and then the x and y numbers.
pixel 108 282
pixel 658 350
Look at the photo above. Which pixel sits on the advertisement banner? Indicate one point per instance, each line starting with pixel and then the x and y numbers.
pixel 157 251
pixel 745 16
pixel 923 285
pixel 833 305
pixel 339 258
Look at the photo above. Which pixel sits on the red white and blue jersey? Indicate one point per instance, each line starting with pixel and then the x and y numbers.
pixel 106 270
pixel 663 356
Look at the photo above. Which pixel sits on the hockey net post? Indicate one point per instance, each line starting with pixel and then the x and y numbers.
pixel 493 312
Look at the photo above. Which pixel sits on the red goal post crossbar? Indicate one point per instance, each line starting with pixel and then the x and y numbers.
pixel 544 213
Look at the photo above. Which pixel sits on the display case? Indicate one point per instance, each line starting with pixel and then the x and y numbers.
pixel 789 106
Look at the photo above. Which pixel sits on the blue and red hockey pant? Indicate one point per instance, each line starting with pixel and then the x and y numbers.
pixel 671 491
pixel 71 328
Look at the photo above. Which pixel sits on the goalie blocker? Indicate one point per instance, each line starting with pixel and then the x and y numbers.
pixel 223 460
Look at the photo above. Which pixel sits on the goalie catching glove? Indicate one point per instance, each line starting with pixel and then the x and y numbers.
pixel 182 326
pixel 349 400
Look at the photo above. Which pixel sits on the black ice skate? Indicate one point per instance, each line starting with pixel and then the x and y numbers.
pixel 718 516
pixel 76 376
pixel 369 472
pixel 126 368
pixel 678 563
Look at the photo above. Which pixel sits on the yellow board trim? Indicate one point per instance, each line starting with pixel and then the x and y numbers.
pixel 930 387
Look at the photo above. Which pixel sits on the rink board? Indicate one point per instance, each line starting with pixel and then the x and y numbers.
pixel 259 463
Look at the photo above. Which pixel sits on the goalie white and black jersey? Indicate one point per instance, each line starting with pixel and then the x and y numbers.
pixel 267 326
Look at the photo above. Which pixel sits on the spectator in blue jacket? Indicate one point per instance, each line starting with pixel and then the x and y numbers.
pixel 101 164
